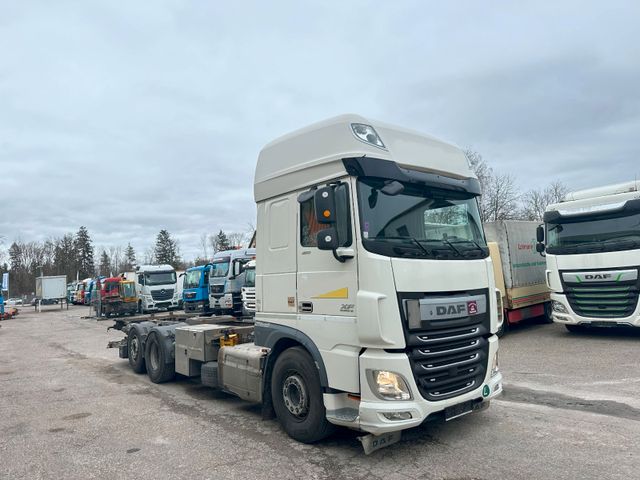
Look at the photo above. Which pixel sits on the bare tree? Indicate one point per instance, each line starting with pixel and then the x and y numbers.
pixel 204 245
pixel 499 200
pixel 536 201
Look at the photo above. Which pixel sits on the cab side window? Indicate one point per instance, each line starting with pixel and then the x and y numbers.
pixel 309 225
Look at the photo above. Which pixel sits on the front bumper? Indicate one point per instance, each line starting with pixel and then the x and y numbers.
pixel 571 318
pixel 371 410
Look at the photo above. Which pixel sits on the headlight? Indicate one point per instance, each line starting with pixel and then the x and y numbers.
pixel 388 385
pixel 558 307
pixel 495 365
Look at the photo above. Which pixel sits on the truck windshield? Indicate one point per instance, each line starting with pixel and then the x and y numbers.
pixel 602 233
pixel 250 278
pixel 128 289
pixel 419 222
pixel 192 278
pixel 159 278
pixel 220 268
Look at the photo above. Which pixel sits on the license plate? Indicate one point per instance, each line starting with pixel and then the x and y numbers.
pixel 458 410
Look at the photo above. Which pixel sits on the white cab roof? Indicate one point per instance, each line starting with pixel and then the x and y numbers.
pixel 314 154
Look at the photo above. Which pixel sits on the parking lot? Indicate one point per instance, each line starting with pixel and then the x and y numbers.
pixel 70 408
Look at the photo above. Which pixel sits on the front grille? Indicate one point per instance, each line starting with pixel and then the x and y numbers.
pixel 448 357
pixel 603 299
pixel 217 289
pixel 161 295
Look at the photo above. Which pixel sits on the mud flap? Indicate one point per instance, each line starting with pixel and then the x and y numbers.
pixel 371 443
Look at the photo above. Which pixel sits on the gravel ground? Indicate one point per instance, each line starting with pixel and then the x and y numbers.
pixel 71 409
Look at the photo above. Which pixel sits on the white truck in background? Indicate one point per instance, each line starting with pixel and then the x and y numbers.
pixel 157 288
pixel 519 271
pixel 592 245
pixel 51 289
pixel 376 306
pixel 249 289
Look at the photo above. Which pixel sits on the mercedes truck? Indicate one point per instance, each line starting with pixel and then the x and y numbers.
pixel 157 288
pixel 376 305
pixel 592 245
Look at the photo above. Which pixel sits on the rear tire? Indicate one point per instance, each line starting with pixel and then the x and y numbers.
pixel 136 354
pixel 158 369
pixel 504 328
pixel 297 397
pixel 548 316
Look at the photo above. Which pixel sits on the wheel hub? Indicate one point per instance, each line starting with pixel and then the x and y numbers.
pixel 295 395
pixel 134 347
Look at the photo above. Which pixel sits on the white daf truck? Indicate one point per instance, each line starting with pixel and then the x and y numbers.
pixel 592 245
pixel 375 299
pixel 157 288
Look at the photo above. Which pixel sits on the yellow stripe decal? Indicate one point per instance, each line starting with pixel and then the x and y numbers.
pixel 339 293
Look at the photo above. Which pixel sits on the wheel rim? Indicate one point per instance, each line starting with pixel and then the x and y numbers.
pixel 134 347
pixel 294 394
pixel 153 356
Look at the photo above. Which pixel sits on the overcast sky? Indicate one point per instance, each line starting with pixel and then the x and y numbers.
pixel 129 117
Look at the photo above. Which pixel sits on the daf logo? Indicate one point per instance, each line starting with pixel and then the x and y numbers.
pixel 598 276
pixel 450 309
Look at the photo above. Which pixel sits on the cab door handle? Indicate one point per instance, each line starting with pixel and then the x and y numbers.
pixel 306 307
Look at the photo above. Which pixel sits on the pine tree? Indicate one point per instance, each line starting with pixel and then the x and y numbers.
pixel 84 250
pixel 166 250
pixel 221 242
pixel 129 258
pixel 105 263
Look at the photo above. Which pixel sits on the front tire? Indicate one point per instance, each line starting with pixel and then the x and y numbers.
pixel 297 397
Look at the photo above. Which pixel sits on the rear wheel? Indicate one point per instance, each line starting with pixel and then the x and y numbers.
pixel 548 316
pixel 297 397
pixel 134 348
pixel 158 369
pixel 504 328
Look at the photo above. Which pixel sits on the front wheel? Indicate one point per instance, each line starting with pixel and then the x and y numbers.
pixel 297 397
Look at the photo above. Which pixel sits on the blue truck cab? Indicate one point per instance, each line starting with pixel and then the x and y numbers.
pixel 226 280
pixel 195 293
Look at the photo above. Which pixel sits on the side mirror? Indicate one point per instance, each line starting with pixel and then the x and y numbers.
pixel 141 279
pixel 540 233
pixel 237 268
pixel 327 239
pixel 324 201
pixel 539 247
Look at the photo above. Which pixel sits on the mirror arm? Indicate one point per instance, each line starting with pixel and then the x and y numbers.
pixel 340 258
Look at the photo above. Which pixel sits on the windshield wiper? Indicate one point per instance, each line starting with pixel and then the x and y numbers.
pixel 410 239
pixel 452 246
pixel 480 248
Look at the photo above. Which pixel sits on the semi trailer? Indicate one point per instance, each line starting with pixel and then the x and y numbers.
pixel 376 306
pixel 519 271
pixel 592 245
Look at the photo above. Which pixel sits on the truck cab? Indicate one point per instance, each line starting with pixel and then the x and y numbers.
pixel 195 289
pixel 157 288
pixel 592 245
pixel 249 289
pixel 373 261
pixel 226 279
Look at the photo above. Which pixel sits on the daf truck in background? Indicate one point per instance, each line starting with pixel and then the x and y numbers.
pixel 519 271
pixel 376 305
pixel 249 289
pixel 592 246
pixel 157 288
pixel 226 279
pixel 195 289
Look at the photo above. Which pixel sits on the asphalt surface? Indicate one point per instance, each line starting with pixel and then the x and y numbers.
pixel 71 409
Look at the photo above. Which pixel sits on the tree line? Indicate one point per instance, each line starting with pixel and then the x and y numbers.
pixel 73 255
